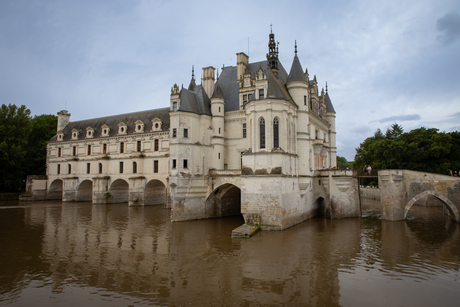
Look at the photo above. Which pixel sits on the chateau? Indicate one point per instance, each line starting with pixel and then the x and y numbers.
pixel 253 139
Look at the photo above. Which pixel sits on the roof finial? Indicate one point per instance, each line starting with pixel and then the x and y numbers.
pixel 295 47
pixel 326 86
pixel 271 30
pixel 193 72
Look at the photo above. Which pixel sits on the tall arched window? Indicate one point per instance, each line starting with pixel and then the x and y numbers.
pixel 262 132
pixel 276 139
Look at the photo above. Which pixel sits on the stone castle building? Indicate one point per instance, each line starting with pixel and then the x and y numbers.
pixel 252 140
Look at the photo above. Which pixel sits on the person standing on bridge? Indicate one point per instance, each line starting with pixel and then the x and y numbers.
pixel 369 169
pixel 365 169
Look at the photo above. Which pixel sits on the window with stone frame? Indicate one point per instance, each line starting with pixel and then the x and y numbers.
pixel 276 141
pixel 244 130
pixel 139 126
pixel 156 144
pixel 155 166
pixel 262 132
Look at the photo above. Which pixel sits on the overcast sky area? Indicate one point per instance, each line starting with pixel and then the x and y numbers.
pixel 385 62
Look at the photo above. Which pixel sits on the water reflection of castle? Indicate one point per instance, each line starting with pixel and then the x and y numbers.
pixel 139 252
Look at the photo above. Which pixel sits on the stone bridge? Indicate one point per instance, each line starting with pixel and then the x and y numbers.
pixel 400 189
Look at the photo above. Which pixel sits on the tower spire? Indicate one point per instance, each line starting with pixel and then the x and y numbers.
pixel 192 84
pixel 326 86
pixel 295 48
pixel 272 56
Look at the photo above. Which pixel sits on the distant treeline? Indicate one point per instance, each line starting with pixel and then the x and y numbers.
pixel 23 140
pixel 426 150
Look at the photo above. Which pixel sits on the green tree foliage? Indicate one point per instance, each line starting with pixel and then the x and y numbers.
pixel 22 145
pixel 342 163
pixel 422 149
pixel 43 129
pixel 14 133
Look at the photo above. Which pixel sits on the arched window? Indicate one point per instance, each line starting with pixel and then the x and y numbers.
pixel 262 132
pixel 276 139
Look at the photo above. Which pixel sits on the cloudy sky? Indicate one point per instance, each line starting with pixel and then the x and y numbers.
pixel 385 62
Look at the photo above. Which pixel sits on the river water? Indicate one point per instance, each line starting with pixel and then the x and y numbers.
pixel 79 254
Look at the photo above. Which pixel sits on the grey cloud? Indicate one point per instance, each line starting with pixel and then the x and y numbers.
pixel 398 118
pixel 449 26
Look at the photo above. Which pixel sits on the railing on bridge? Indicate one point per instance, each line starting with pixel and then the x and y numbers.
pixel 363 173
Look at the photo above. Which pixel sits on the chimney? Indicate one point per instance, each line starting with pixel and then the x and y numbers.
pixel 242 60
pixel 208 80
pixel 63 119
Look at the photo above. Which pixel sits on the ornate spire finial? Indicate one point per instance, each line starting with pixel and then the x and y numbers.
pixel 193 72
pixel 295 49
pixel 326 86
pixel 271 30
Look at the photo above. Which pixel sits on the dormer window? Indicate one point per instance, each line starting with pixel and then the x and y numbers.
pixel 105 130
pixel 139 126
pixel 122 128
pixel 60 135
pixel 157 124
pixel 90 132
pixel 75 134
pixel 174 106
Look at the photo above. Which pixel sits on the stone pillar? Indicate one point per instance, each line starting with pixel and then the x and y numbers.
pixel 136 191
pixel 392 194
pixel 273 200
pixel 69 189
pixel 342 191
pixel 100 188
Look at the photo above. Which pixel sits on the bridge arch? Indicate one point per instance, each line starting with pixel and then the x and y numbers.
pixel 453 211
pixel 119 189
pixel 55 189
pixel 155 193
pixel 224 200
pixel 85 191
pixel 319 206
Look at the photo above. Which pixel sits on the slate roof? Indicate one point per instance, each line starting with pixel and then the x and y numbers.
pixel 230 86
pixel 296 73
pixel 329 106
pixel 112 121
pixel 196 101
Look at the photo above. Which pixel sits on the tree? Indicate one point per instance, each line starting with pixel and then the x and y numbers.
pixel 42 130
pixel 422 149
pixel 14 134
pixel 342 163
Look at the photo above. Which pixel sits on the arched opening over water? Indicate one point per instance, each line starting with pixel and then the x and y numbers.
pixel 224 201
pixel 155 193
pixel 85 191
pixel 424 198
pixel 119 189
pixel 430 219
pixel 319 207
pixel 55 189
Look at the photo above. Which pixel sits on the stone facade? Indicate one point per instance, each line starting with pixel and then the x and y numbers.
pixel 252 140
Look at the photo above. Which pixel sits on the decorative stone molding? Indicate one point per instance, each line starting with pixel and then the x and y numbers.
pixel 139 126
pixel 157 124
pixel 90 131
pixel 122 128
pixel 105 130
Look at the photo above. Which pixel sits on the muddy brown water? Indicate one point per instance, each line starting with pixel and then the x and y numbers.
pixel 79 254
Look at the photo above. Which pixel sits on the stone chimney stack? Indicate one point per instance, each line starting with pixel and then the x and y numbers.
pixel 208 80
pixel 63 119
pixel 242 60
